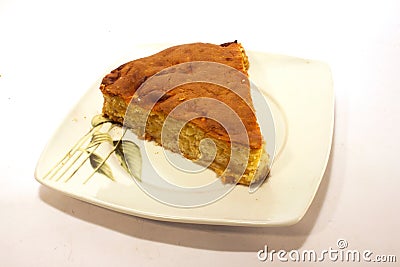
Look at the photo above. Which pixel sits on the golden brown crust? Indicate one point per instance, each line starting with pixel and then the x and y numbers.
pixel 123 82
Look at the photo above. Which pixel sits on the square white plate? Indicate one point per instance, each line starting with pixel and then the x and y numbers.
pixel 301 97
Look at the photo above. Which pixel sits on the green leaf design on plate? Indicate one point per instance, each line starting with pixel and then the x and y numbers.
pixel 128 153
pixel 100 166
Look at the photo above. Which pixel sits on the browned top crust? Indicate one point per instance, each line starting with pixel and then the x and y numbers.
pixel 126 79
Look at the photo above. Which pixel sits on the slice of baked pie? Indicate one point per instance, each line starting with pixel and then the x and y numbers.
pixel 194 110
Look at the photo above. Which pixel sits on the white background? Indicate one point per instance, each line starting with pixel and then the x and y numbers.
pixel 52 52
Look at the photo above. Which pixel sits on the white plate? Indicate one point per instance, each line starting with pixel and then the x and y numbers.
pixel 301 97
